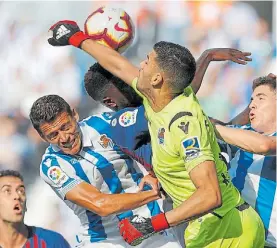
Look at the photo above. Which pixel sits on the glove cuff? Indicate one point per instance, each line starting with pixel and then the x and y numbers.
pixel 77 39
pixel 159 222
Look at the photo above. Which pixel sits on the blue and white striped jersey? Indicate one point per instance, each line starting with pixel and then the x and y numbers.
pixel 102 164
pixel 254 176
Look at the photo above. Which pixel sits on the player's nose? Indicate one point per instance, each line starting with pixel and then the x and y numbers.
pixel 64 138
pixel 252 105
pixel 142 64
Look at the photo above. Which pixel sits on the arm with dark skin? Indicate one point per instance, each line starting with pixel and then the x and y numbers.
pixel 89 197
pixel 216 54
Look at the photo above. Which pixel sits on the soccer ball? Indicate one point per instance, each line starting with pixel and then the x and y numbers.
pixel 112 27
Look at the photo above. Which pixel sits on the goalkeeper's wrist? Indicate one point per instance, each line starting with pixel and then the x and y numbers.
pixel 77 39
pixel 159 222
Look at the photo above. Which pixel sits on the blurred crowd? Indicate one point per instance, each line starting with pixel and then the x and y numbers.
pixel 31 68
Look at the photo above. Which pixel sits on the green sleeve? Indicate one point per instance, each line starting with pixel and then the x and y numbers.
pixel 192 141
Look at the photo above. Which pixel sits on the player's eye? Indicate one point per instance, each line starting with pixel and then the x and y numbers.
pixel 53 136
pixel 65 127
pixel 21 191
pixel 7 191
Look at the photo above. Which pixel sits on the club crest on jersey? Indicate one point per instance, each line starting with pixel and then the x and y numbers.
pixel 105 141
pixel 128 118
pixel 161 136
pixel 192 148
pixel 57 176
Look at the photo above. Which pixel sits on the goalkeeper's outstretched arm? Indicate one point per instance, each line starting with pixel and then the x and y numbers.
pixel 111 60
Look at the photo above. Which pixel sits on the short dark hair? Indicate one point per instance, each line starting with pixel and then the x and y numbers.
pixel 98 81
pixel 178 64
pixel 46 109
pixel 11 173
pixel 266 80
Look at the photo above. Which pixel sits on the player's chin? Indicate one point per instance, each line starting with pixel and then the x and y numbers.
pixel 73 150
pixel 18 218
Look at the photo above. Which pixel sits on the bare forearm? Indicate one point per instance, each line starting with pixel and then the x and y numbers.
pixel 111 60
pixel 247 140
pixel 201 67
pixel 123 202
pixel 200 203
pixel 106 204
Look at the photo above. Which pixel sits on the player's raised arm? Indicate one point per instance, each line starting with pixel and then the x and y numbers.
pixel 66 32
pixel 216 54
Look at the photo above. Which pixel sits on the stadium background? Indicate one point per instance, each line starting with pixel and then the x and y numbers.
pixel 31 68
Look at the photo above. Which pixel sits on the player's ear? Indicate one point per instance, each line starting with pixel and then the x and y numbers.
pixel 156 79
pixel 75 115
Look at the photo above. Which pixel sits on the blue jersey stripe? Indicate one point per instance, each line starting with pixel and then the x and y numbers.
pixel 245 161
pixel 266 193
pixel 107 171
pixel 110 177
pixel 99 125
pixel 77 167
pixel 96 228
pixel 153 206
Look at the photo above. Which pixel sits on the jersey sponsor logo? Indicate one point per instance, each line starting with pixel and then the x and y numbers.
pixel 62 31
pixel 128 118
pixel 161 136
pixel 57 176
pixel 105 141
pixel 192 148
pixel 184 126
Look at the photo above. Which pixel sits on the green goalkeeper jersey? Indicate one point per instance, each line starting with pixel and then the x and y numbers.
pixel 182 137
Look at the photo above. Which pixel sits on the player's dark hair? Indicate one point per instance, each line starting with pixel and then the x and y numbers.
pixel 46 109
pixel 267 80
pixel 11 173
pixel 98 81
pixel 178 64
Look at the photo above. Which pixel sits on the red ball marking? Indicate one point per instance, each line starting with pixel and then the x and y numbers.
pixel 100 10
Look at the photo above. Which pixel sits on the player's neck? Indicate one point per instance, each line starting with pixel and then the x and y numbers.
pixel 270 130
pixel 160 100
pixel 13 235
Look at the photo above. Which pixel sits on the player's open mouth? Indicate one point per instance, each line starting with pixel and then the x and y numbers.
pixel 251 116
pixel 18 209
pixel 69 145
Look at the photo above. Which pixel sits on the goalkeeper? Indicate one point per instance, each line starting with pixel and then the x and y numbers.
pixel 185 152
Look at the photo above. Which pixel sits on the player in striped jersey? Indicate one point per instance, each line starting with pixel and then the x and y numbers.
pixel 92 175
pixel 252 154
pixel 13 232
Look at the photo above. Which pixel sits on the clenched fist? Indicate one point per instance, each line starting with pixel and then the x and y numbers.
pixel 64 33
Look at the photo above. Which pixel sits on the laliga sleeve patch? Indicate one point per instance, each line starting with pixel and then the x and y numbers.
pixel 57 176
pixel 128 118
pixel 191 147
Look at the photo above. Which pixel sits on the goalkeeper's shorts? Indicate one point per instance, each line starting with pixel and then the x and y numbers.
pixel 241 228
